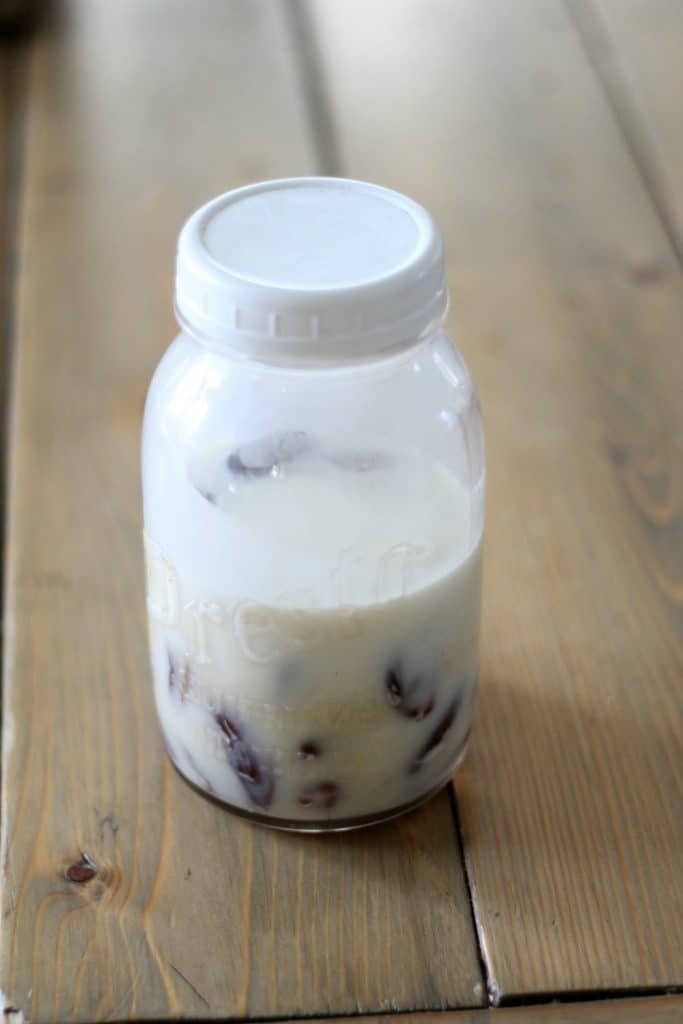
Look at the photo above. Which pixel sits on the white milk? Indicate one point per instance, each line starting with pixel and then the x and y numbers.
pixel 348 692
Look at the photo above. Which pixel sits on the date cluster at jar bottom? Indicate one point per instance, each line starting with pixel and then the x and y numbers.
pixel 317 717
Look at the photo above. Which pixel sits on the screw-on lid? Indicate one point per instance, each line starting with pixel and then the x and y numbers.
pixel 311 270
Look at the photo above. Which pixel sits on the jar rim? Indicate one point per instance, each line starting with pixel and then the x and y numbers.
pixel 348 270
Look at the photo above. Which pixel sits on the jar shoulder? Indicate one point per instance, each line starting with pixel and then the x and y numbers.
pixel 310 464
pixel 196 390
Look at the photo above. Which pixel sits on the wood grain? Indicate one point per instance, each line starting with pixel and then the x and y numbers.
pixel 125 895
pixel 567 303
pixel 635 48
pixel 648 1010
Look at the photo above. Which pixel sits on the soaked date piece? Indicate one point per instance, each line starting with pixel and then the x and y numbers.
pixel 411 696
pixel 323 796
pixel 254 774
pixel 437 735
pixel 263 457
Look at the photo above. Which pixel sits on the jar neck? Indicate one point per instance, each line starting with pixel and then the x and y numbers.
pixel 305 360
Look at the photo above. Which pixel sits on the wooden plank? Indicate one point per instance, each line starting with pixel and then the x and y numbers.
pixel 567 302
pixel 636 50
pixel 653 1010
pixel 137 112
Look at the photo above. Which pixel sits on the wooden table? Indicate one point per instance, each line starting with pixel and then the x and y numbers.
pixel 548 140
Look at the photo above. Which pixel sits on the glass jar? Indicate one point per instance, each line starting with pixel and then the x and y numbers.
pixel 313 476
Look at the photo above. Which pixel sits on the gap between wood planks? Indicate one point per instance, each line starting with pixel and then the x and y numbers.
pixel 609 68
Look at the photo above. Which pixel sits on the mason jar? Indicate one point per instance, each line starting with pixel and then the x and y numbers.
pixel 313 478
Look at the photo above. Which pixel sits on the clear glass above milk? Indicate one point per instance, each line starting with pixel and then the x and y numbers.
pixel 313 476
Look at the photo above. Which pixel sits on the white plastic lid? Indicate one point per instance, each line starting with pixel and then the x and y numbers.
pixel 311 270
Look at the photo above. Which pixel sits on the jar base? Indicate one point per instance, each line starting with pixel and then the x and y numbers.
pixel 327 824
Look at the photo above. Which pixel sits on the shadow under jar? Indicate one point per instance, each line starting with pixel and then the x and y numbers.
pixel 313 476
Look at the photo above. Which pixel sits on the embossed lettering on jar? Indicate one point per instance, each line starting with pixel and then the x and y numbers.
pixel 313 480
